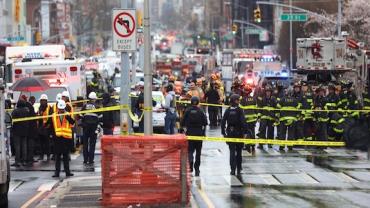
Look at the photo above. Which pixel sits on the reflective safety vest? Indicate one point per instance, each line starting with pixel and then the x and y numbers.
pixel 62 127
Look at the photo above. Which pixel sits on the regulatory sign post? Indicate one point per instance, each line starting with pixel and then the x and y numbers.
pixel 124 30
pixel 124 40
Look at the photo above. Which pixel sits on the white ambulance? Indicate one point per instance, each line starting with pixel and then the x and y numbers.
pixel 49 64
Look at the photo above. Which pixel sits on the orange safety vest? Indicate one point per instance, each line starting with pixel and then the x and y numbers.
pixel 62 127
pixel 45 113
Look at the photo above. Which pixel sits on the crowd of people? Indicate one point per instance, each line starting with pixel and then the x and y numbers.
pixel 297 113
pixel 53 134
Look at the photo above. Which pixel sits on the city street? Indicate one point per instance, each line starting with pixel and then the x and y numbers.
pixel 301 178
pixel 94 96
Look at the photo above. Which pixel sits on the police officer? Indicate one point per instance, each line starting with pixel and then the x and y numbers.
pixel 195 122
pixel 288 117
pixel 44 127
pixel 90 122
pixel 62 124
pixel 333 103
pixel 321 117
pixel 267 115
pixel 249 104
pixel 232 126
pixel 307 105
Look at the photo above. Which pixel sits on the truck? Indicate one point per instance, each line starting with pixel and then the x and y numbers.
pixel 49 64
pixel 4 153
pixel 249 63
pixel 330 60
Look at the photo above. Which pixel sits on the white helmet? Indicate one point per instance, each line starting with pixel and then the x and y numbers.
pixel 65 94
pixel 140 84
pixel 44 97
pixel 61 105
pixel 93 96
pixel 59 97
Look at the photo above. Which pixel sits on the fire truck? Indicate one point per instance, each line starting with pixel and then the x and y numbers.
pixel 325 60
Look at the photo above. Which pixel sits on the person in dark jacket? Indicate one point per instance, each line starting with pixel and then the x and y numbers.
pixel 195 122
pixel 19 132
pixel 232 126
pixel 108 116
pixel 90 122
pixel 44 127
pixel 31 137
pixel 212 97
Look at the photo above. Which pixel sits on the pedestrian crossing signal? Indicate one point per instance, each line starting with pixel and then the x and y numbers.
pixel 257 15
pixel 234 28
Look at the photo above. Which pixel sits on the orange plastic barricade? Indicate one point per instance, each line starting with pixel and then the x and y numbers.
pixel 148 170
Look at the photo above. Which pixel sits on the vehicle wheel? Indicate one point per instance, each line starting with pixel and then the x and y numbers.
pixel 4 188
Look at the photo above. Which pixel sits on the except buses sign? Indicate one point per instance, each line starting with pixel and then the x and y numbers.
pixel 124 29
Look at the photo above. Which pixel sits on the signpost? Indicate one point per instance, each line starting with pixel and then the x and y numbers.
pixel 124 40
pixel 298 17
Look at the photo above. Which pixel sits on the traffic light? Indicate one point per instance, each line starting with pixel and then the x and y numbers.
pixel 234 29
pixel 139 16
pixel 38 38
pixel 257 15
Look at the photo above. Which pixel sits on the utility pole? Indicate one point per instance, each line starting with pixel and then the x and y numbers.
pixel 125 87
pixel 290 37
pixel 148 126
pixel 339 24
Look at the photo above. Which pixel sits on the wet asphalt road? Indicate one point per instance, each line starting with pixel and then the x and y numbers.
pixel 301 178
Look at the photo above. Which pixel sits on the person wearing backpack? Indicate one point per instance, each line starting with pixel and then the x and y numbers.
pixel 232 126
pixel 195 122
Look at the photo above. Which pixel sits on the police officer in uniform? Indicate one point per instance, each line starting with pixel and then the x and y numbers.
pixel 249 104
pixel 267 115
pixel 62 125
pixel 232 126
pixel 90 125
pixel 195 122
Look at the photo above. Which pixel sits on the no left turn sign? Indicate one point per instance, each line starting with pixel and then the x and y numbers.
pixel 124 29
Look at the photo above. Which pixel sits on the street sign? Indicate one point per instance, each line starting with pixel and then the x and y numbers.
pixel 124 29
pixel 252 31
pixel 15 39
pixel 297 17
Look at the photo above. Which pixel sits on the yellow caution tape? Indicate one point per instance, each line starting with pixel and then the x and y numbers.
pixel 261 141
pixel 268 141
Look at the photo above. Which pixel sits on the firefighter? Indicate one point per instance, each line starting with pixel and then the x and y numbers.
pixel 90 125
pixel 195 122
pixel 63 137
pixel 232 126
pixel 307 105
pixel 335 118
pixel 321 117
pixel 366 106
pixel 297 94
pixel 288 118
pixel 249 104
pixel 44 127
pixel 267 114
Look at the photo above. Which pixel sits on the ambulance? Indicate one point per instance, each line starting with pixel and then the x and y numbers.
pixel 48 63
